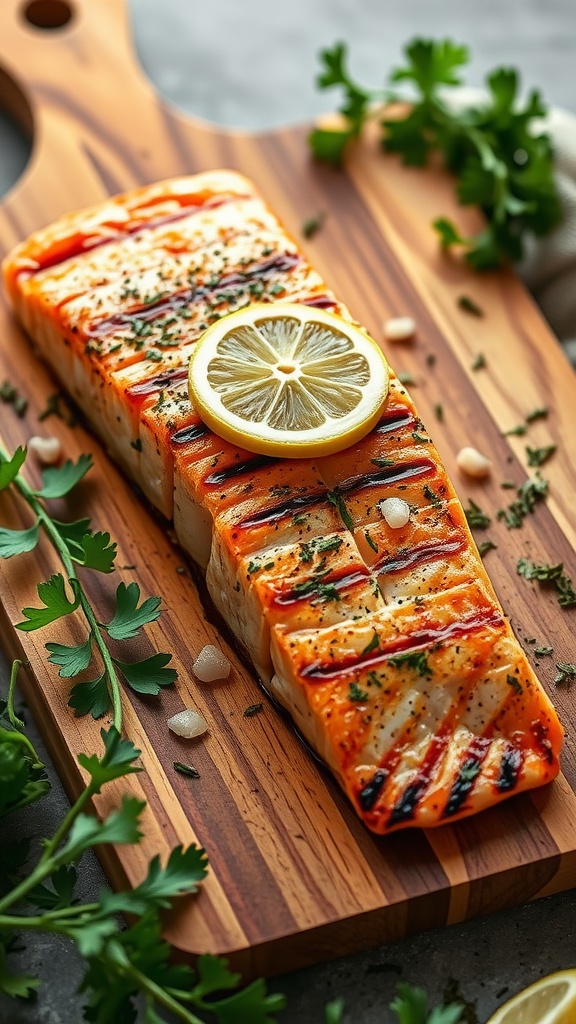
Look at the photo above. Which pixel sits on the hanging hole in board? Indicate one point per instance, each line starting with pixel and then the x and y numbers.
pixel 48 14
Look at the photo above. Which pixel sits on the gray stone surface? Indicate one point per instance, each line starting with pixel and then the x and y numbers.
pixel 252 64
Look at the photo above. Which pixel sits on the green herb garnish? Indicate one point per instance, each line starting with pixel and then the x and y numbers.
pixel 431 495
pixel 355 693
pixel 253 709
pixel 406 378
pixel 371 543
pixel 64 594
pixel 536 414
pixel 479 362
pixel 515 683
pixel 186 769
pixel 517 431
pixel 469 306
pixel 373 644
pixel 549 574
pixel 543 651
pixel 311 226
pixel 382 463
pixel 528 494
pixel 335 498
pixel 566 672
pixel 502 160
pixel 485 546
pixel 538 456
pixel 475 517
pixel 417 660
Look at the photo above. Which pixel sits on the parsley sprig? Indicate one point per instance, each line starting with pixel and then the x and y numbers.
pixel 120 963
pixel 502 160
pixel 63 594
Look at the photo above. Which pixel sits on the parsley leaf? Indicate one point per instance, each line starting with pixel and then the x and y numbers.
pixel 411 1007
pixel 373 644
pixel 116 761
pixel 56 604
pixel 72 660
pixel 330 145
pixel 129 617
pixel 91 697
pixel 16 542
pixel 149 675
pixel 121 826
pixel 98 552
pixel 9 468
pixel 58 481
pixel 17 986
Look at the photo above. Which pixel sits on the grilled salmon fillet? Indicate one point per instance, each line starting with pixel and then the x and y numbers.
pixel 388 646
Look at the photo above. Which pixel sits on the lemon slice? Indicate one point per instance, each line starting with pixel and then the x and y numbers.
pixel 288 380
pixel 551 1000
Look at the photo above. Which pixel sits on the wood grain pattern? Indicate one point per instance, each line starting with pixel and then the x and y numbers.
pixel 295 877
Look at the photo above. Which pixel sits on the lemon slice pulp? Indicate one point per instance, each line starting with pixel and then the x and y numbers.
pixel 288 380
pixel 551 1000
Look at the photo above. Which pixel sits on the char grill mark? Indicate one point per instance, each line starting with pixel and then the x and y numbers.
pixel 467 775
pixel 394 474
pixel 418 641
pixel 239 469
pixel 371 791
pixel 509 769
pixel 409 558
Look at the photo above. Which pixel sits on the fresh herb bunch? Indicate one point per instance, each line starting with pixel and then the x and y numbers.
pixel 78 545
pixel 120 963
pixel 502 161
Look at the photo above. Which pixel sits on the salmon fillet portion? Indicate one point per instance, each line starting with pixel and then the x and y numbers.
pixel 388 646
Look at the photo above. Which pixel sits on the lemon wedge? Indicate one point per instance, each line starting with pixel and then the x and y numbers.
pixel 288 380
pixel 551 1000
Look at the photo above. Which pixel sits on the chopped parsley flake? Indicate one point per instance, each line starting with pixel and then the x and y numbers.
pixel 253 709
pixel 529 493
pixel 373 645
pixel 355 693
pixel 371 543
pixel 515 683
pixel 469 306
pixel 566 672
pixel 382 463
pixel 517 431
pixel 431 495
pixel 549 574
pixel 186 769
pixel 336 499
pixel 375 679
pixel 439 412
pixel 480 362
pixel 406 378
pixel 536 414
pixel 417 660
pixel 538 456
pixel 311 226
pixel 543 651
pixel 485 546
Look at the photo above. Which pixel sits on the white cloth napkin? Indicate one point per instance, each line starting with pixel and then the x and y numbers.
pixel 549 266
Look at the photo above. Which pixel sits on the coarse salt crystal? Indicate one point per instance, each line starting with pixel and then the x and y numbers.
pixel 46 449
pixel 211 664
pixel 188 723
pixel 400 328
pixel 396 512
pixel 473 463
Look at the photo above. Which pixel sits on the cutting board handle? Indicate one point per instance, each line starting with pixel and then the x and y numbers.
pixel 97 124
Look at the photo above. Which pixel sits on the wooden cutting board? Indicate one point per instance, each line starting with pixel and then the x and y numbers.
pixel 295 878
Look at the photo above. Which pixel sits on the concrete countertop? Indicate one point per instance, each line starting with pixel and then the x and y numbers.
pixel 253 65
